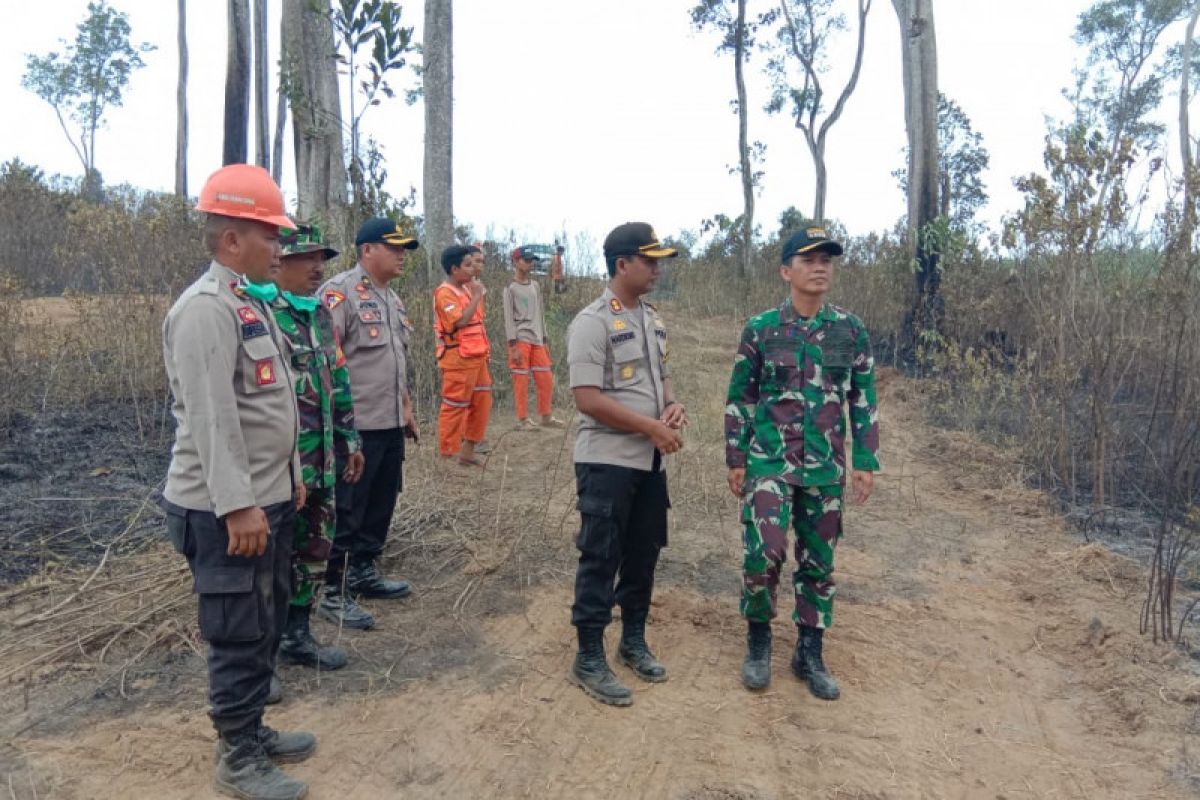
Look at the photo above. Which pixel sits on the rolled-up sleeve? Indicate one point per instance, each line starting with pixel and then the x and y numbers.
pixel 587 342
pixel 203 343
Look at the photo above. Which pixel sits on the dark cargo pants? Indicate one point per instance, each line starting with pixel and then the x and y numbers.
pixel 623 515
pixel 364 509
pixel 242 607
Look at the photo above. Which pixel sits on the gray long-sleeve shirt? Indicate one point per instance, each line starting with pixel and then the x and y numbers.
pixel 234 403
pixel 524 315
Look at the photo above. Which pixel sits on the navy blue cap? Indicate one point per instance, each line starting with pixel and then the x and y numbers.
pixel 806 240
pixel 386 231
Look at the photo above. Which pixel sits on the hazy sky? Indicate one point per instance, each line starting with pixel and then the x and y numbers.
pixel 581 115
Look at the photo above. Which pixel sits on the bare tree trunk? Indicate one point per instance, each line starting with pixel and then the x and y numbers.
pixel 919 62
pixel 310 75
pixel 1185 136
pixel 739 56
pixel 439 100
pixel 237 83
pixel 181 117
pixel 262 125
pixel 281 114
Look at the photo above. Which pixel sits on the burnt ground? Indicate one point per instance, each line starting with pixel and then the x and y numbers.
pixel 72 483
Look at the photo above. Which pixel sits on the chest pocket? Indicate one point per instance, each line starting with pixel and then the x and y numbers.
pixel 628 357
pixel 781 358
pixel 371 328
pixel 262 368
pixel 837 352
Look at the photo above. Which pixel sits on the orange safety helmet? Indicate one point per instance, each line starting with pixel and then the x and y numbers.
pixel 244 191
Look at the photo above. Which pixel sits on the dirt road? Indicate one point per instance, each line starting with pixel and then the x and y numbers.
pixel 983 652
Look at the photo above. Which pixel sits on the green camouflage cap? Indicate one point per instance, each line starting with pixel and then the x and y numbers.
pixel 304 239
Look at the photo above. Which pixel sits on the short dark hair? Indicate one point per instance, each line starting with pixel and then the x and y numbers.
pixel 453 256
pixel 611 263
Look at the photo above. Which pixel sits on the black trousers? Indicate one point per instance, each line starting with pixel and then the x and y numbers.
pixel 623 527
pixel 364 509
pixel 243 605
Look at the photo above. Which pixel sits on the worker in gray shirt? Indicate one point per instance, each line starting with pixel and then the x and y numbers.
pixel 373 327
pixel 234 481
pixel 629 419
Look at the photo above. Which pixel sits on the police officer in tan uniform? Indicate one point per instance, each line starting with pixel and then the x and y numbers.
pixel 234 480
pixel 373 327
pixel 617 354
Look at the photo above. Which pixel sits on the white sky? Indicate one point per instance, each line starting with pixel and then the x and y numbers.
pixel 581 115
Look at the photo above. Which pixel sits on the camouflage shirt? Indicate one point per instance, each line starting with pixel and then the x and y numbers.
pixel 792 378
pixel 322 390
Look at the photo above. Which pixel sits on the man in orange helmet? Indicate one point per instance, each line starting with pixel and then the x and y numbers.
pixel 234 482
pixel 462 353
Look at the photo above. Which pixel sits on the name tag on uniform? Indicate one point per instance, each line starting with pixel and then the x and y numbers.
pixel 660 333
pixel 622 337
pixel 368 304
pixel 253 329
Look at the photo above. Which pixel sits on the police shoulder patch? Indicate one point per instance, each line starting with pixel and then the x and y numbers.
pixel 333 298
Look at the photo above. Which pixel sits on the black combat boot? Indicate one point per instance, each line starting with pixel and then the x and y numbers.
pixel 245 771
pixel 808 665
pixel 297 645
pixel 364 580
pixel 340 609
pixel 286 747
pixel 756 669
pixel 591 673
pixel 634 653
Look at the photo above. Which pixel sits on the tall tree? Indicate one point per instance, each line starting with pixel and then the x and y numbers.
pixel 85 79
pixel 281 115
pixel 918 54
pixel 262 129
pixel 438 89
pixel 355 24
pixel 803 37
pixel 736 38
pixel 181 117
pixel 1185 135
pixel 962 160
pixel 310 81
pixel 1122 82
pixel 237 83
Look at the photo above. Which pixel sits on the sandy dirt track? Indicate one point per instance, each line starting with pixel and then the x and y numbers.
pixel 983 653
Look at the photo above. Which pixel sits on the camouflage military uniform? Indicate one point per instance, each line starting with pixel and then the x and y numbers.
pixel 326 429
pixel 785 424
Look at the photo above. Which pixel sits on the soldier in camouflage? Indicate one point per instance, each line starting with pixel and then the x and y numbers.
pixel 327 434
pixel 797 369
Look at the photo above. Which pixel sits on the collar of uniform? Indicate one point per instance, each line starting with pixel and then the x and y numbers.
pixel 222 273
pixel 361 277
pixel 616 306
pixel 789 315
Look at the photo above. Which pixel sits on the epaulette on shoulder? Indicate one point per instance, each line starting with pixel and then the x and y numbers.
pixel 209 284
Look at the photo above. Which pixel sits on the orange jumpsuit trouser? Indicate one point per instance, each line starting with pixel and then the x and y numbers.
pixel 531 358
pixel 466 405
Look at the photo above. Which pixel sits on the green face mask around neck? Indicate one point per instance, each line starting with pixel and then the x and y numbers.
pixel 308 304
pixel 266 292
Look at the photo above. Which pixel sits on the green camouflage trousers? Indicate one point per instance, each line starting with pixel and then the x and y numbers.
pixel 816 513
pixel 311 543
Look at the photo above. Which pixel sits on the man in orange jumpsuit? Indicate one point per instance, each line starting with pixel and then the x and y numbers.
pixel 462 354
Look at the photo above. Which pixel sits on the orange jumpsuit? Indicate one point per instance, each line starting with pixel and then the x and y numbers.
pixel 463 358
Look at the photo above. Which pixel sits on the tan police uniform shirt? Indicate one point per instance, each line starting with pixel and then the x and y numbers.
pixel 623 351
pixel 524 317
pixel 374 330
pixel 236 422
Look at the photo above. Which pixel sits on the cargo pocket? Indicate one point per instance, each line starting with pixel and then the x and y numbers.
pixel 597 530
pixel 229 606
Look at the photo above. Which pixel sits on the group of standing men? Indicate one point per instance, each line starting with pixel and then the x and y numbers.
pixel 292 407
